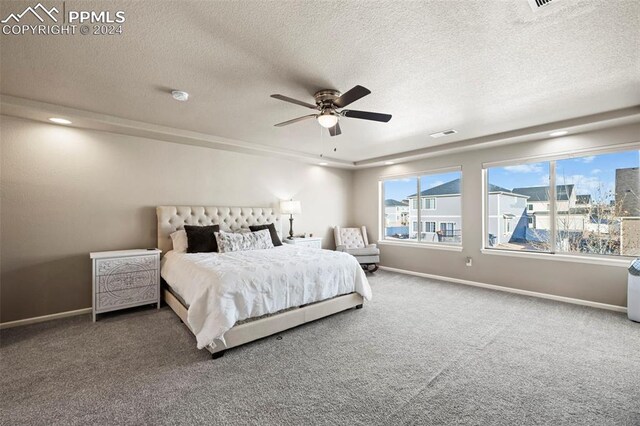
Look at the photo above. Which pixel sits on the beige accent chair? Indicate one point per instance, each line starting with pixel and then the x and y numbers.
pixel 355 242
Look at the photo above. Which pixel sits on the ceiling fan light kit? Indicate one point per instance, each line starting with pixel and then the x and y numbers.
pixel 328 102
pixel 327 119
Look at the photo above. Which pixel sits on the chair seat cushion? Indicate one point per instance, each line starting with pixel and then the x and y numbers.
pixel 364 251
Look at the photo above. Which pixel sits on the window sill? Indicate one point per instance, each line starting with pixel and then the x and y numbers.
pixel 446 247
pixel 592 260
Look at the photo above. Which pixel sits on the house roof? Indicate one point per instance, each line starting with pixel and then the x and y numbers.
pixel 394 203
pixel 541 193
pixel 453 188
pixel 583 199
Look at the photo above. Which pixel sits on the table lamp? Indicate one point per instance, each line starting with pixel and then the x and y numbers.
pixel 290 207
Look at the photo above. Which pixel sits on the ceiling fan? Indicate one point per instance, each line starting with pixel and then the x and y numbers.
pixel 328 102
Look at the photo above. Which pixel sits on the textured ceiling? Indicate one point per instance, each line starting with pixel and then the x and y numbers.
pixel 480 67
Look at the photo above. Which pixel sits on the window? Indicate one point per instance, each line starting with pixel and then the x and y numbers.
pixel 399 225
pixel 573 205
pixel 428 203
pixel 609 224
pixel 447 229
pixel 427 200
pixel 514 191
pixel 429 227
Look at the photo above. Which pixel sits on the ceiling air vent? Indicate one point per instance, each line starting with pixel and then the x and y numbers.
pixel 537 4
pixel 443 133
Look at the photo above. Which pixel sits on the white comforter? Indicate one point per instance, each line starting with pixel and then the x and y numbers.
pixel 221 289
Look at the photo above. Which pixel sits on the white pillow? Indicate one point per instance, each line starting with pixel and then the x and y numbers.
pixel 180 241
pixel 240 241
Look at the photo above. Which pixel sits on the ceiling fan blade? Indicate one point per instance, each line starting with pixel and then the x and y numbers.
pixel 294 101
pixel 295 120
pixel 366 115
pixel 351 96
pixel 335 130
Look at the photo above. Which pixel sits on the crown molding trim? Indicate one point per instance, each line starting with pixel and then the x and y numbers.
pixel 40 111
pixel 574 126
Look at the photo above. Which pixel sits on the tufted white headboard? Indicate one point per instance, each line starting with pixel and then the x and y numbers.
pixel 173 218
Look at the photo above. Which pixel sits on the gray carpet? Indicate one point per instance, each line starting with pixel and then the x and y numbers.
pixel 423 352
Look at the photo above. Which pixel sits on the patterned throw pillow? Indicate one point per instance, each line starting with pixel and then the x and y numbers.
pixel 234 241
pixel 272 230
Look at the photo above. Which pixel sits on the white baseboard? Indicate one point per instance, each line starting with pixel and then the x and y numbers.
pixel 511 290
pixel 43 318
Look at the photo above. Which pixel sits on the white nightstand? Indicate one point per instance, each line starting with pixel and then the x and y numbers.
pixel 125 278
pixel 312 242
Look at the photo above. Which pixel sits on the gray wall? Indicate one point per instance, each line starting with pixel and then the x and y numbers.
pixel 605 284
pixel 66 192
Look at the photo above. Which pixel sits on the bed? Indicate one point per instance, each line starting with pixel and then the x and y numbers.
pixel 229 299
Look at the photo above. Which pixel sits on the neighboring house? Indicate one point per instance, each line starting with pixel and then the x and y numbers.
pixel 441 218
pixel 627 199
pixel 396 213
pixel 396 218
pixel 440 213
pixel 507 219
pixel 627 206
pixel 538 200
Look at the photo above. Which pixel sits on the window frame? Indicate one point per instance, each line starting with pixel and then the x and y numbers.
pixel 551 159
pixel 417 242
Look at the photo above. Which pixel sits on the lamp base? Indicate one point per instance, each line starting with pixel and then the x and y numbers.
pixel 290 228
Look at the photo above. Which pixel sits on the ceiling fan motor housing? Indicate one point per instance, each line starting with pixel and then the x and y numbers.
pixel 325 98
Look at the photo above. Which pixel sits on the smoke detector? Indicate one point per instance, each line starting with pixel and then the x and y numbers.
pixel 179 95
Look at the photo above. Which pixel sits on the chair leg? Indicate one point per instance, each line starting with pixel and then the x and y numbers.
pixel 217 355
pixel 370 267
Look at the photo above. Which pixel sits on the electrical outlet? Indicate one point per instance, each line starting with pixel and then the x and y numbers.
pixel 469 261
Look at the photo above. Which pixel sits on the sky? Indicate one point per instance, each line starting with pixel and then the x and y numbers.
pixel 594 174
pixel 400 189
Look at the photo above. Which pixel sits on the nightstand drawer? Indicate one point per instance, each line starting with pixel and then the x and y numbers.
pixel 129 297
pixel 312 244
pixel 309 242
pixel 126 264
pixel 114 282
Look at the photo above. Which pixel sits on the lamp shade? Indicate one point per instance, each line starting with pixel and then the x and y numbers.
pixel 290 207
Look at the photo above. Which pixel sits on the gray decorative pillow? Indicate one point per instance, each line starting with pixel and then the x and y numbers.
pixel 236 241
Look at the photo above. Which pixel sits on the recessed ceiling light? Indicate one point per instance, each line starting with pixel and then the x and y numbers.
pixel 323 164
pixel 558 133
pixel 443 133
pixel 388 163
pixel 179 95
pixel 59 120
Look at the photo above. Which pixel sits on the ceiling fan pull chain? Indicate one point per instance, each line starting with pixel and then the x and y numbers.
pixel 322 142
